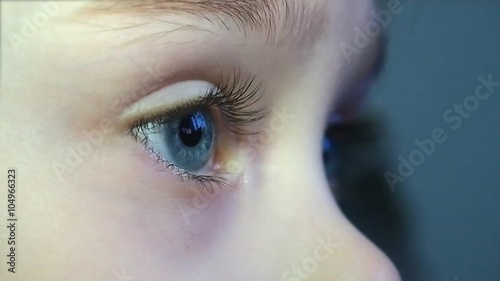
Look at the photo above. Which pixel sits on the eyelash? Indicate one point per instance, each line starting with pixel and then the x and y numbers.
pixel 233 97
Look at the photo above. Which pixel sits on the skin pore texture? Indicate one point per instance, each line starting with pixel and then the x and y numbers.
pixel 94 205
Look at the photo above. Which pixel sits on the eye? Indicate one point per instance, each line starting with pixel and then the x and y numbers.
pixel 328 147
pixel 338 135
pixel 194 127
pixel 329 151
pixel 186 141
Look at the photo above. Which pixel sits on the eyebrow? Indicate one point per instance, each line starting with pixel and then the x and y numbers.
pixel 270 18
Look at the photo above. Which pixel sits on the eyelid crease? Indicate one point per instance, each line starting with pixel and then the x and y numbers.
pixel 175 95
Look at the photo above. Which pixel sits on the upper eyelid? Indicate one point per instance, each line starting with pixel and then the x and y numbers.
pixel 236 97
pixel 159 101
pixel 177 93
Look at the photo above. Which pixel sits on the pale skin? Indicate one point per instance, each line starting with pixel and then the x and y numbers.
pixel 113 212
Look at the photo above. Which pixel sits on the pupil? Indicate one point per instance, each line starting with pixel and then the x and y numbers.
pixel 191 129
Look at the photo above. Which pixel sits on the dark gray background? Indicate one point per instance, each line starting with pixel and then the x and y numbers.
pixel 436 52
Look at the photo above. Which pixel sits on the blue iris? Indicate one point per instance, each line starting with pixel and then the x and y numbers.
pixel 189 140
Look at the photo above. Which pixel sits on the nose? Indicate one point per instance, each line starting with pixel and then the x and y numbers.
pixel 306 234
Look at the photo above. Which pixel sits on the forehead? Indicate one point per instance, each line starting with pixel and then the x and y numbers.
pixel 278 21
pixel 312 28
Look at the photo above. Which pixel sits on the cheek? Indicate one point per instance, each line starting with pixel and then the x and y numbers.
pixel 121 202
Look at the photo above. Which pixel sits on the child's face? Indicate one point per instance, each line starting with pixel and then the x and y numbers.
pixel 98 101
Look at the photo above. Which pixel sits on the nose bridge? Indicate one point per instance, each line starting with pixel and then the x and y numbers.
pixel 321 244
